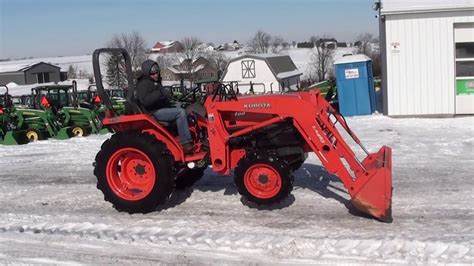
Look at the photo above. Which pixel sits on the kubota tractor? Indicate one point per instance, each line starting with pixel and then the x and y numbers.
pixel 262 138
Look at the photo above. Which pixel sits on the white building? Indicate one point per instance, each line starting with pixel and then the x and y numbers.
pixel 264 72
pixel 428 53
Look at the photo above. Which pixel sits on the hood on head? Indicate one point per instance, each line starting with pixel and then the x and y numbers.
pixel 146 67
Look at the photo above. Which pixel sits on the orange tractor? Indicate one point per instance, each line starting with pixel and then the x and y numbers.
pixel 263 138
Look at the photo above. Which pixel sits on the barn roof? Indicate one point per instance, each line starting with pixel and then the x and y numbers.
pixel 281 65
pixel 21 67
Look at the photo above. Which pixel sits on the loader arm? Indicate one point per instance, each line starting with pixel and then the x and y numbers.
pixel 368 182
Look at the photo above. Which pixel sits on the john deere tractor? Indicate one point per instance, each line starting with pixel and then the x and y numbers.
pixel 23 125
pixel 62 101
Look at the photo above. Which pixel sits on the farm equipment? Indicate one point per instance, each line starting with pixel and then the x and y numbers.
pixel 90 96
pixel 22 125
pixel 262 138
pixel 62 101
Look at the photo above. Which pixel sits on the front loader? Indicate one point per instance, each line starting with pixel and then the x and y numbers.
pixel 262 138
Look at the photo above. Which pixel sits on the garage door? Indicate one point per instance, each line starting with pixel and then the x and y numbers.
pixel 464 38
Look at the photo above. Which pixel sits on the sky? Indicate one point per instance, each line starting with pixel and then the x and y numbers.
pixel 76 27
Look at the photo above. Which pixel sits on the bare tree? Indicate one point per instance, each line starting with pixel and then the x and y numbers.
pixel 369 45
pixel 166 60
pixel 260 42
pixel 364 43
pixel 277 44
pixel 321 60
pixel 314 40
pixel 191 51
pixel 72 71
pixel 218 60
pixel 135 45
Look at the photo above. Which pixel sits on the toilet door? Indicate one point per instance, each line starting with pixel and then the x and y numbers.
pixel 464 44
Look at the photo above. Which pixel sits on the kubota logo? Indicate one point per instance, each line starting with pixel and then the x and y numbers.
pixel 257 105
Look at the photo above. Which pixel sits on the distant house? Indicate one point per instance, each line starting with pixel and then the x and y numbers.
pixel 233 46
pixel 262 73
pixel 305 45
pixel 342 45
pixel 199 69
pixel 167 47
pixel 30 74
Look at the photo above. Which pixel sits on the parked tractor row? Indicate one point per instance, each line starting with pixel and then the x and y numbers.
pixel 53 111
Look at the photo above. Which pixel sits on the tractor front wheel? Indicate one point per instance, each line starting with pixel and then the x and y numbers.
pixel 134 171
pixel 33 134
pixel 263 179
pixel 79 131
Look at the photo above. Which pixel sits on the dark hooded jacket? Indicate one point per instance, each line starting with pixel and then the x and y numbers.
pixel 151 94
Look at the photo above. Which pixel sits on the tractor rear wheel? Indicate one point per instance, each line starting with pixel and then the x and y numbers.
pixel 134 171
pixel 263 179
pixel 33 134
pixel 189 177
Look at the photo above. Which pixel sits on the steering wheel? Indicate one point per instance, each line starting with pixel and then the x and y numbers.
pixel 226 92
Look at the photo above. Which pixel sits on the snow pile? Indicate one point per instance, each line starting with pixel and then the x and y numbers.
pixel 82 84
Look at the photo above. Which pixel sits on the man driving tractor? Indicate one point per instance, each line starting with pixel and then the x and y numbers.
pixel 156 100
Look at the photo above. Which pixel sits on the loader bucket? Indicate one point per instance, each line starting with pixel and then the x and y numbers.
pixel 374 195
pixel 15 138
pixel 63 133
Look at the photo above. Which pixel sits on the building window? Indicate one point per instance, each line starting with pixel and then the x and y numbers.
pixel 212 74
pixel 43 77
pixel 203 74
pixel 464 50
pixel 464 44
pixel 248 69
pixel 464 68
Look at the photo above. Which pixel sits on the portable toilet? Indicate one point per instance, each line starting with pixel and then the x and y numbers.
pixel 355 85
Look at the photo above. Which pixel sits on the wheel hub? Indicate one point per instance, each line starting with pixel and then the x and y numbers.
pixel 263 179
pixel 140 169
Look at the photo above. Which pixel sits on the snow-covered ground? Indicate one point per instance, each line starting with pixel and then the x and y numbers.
pixel 51 212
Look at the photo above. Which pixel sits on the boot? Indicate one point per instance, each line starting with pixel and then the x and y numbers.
pixel 188 148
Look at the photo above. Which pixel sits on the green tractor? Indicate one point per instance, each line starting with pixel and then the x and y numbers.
pixel 76 118
pixel 5 105
pixel 23 125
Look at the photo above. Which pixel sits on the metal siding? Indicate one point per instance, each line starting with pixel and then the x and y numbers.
pixel 54 75
pixel 421 79
pixel 16 77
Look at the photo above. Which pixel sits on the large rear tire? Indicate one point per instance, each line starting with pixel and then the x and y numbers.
pixel 263 179
pixel 134 171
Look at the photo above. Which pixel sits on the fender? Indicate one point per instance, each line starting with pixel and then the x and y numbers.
pixel 146 123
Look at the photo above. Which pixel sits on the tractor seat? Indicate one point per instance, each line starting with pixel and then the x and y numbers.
pixel 134 107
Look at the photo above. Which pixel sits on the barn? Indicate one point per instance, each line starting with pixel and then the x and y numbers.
pixel 262 73
pixel 427 51
pixel 30 74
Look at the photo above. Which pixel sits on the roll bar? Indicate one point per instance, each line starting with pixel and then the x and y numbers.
pixel 98 77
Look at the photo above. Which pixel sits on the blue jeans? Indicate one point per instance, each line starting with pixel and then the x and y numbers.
pixel 179 115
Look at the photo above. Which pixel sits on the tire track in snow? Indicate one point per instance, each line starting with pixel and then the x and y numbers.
pixel 283 246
